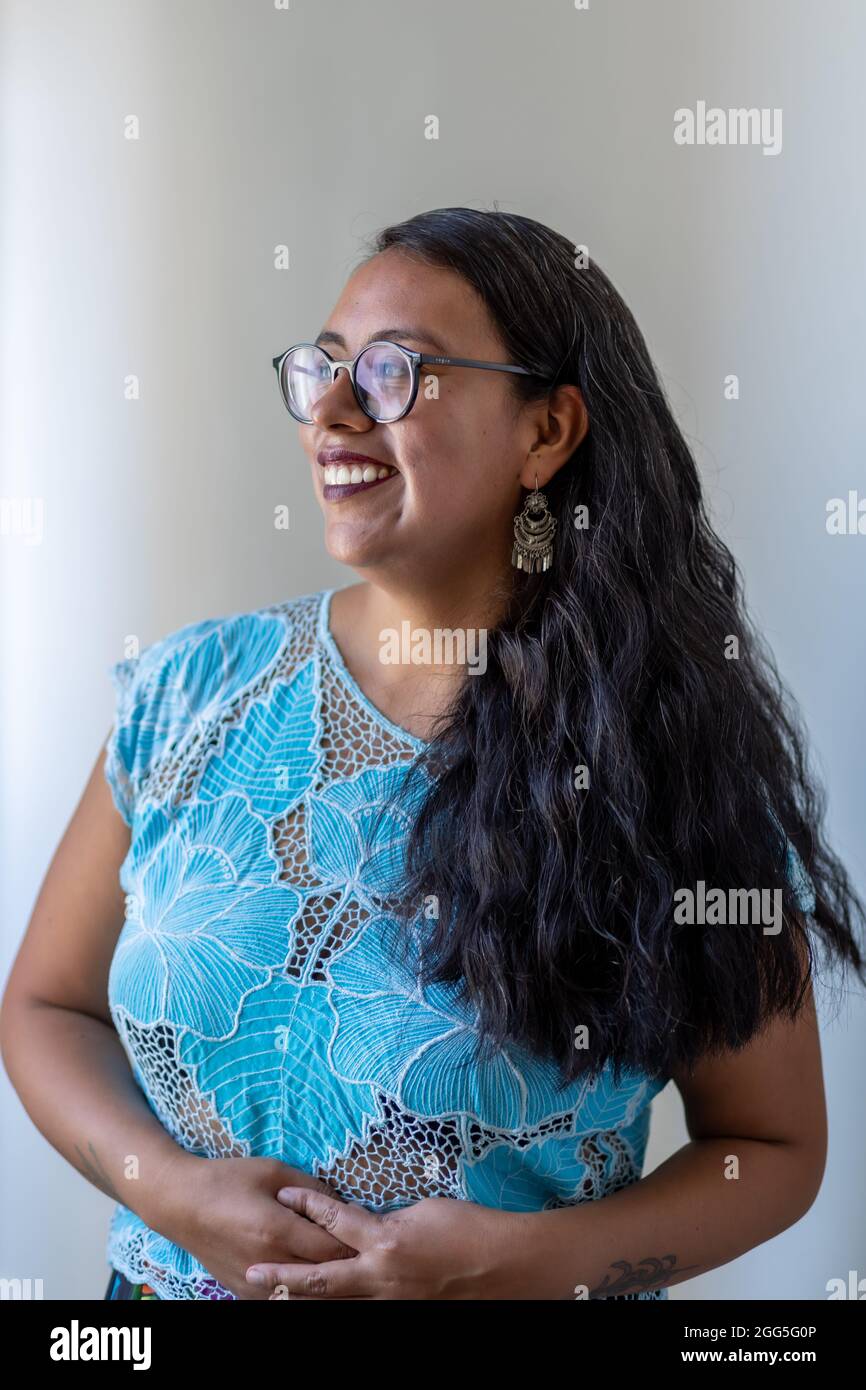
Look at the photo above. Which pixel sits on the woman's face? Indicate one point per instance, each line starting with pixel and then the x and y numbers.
pixel 462 452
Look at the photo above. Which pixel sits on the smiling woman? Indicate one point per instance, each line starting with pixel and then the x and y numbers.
pixel 398 970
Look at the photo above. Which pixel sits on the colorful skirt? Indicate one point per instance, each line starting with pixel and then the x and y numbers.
pixel 120 1287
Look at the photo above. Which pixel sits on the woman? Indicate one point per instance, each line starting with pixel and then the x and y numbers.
pixel 432 883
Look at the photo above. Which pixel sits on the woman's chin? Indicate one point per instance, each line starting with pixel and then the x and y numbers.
pixel 358 552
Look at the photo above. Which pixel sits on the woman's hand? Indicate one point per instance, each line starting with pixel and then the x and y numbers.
pixel 225 1213
pixel 437 1248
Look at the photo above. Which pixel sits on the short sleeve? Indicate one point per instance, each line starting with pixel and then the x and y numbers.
pixel 120 753
pixel 158 696
pixel 800 880
pixel 176 687
pixel 795 870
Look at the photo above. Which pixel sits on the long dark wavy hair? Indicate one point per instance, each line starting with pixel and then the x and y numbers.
pixel 555 903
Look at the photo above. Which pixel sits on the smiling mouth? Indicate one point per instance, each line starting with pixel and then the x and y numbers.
pixel 344 479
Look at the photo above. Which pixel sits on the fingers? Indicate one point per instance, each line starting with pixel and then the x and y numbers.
pixel 281 1293
pixel 348 1222
pixel 304 1240
pixel 341 1279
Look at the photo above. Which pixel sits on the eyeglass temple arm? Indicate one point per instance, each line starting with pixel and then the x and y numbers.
pixel 472 362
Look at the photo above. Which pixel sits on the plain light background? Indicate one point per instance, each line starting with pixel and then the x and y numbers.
pixel 262 127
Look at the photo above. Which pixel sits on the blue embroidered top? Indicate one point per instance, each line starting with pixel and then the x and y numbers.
pixel 255 985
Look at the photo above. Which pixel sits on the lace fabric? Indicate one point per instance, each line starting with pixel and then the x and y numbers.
pixel 256 984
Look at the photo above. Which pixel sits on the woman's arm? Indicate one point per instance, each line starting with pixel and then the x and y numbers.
pixel 758 1128
pixel 757 1124
pixel 67 1063
pixel 59 1046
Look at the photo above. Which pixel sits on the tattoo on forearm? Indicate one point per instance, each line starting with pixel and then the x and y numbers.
pixel 649 1273
pixel 93 1169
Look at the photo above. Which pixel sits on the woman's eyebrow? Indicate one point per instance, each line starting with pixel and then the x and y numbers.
pixel 417 335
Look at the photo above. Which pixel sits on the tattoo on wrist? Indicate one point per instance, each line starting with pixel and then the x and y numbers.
pixel 649 1273
pixel 92 1168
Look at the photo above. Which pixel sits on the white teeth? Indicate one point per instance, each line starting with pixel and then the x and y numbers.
pixel 337 475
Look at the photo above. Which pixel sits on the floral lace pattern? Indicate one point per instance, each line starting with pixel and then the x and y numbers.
pixel 257 986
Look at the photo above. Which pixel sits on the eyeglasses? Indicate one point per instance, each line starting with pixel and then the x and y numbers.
pixel 384 377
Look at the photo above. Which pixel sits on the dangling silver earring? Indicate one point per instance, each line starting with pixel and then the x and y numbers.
pixel 533 534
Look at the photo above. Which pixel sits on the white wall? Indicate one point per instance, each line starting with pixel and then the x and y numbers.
pixel 155 257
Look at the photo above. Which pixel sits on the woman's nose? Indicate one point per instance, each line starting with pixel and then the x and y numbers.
pixel 338 405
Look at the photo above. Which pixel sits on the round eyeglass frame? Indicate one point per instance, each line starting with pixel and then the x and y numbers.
pixel 415 359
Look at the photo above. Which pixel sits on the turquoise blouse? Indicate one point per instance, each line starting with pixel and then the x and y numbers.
pixel 255 984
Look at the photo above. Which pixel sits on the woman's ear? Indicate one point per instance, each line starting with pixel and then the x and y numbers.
pixel 563 423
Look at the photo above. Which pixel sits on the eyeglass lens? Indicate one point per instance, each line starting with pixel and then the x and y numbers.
pixel 383 380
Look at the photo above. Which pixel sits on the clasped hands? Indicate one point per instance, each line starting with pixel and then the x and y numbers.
pixel 266 1230
pixel 437 1248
